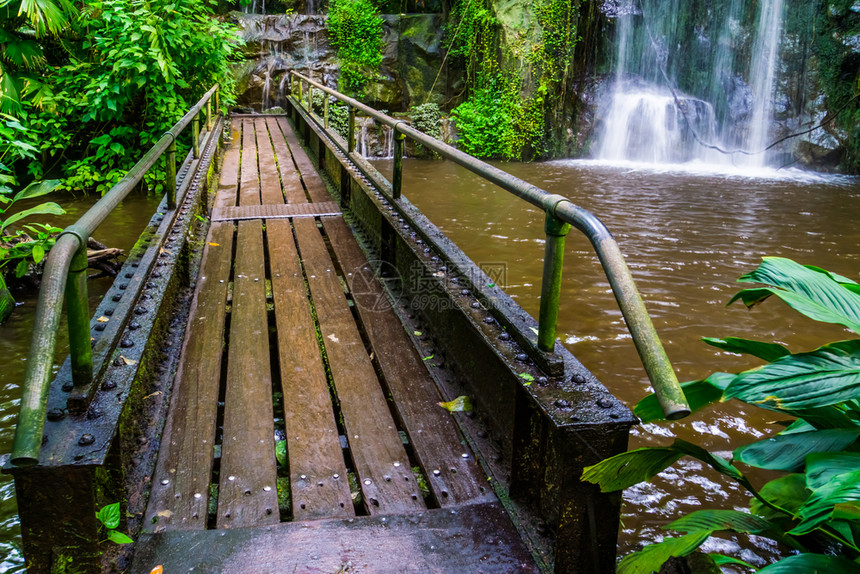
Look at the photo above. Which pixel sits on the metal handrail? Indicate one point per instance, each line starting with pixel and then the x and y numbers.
pixel 66 267
pixel 561 214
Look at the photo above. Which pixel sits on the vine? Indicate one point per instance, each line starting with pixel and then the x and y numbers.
pixel 515 85
pixel 355 28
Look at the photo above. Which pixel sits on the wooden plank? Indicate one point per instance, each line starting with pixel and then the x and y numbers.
pixel 311 179
pixel 380 460
pixel 453 478
pixel 247 494
pixel 318 479
pixel 228 182
pixel 180 487
pixel 278 211
pixel 249 188
pixel 270 181
pixel 293 189
pixel 477 538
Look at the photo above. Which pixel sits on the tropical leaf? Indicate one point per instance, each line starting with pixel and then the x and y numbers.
pixel 765 351
pixel 714 520
pixel 846 511
pixel 788 452
pixel 48 208
pixel 37 189
pixel 652 557
pixel 787 492
pixel 812 563
pixel 826 376
pixel 699 394
pixel 808 291
pixel 819 508
pixel 628 468
pixel 822 468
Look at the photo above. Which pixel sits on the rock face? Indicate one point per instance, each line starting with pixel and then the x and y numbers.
pixel 274 44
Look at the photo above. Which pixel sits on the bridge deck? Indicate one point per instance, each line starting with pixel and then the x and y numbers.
pixel 291 337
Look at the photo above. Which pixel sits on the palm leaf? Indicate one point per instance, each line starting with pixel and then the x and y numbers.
pixel 699 394
pixel 819 508
pixel 652 557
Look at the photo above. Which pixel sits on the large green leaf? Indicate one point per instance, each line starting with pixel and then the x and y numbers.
pixel 652 557
pixel 765 351
pixel 823 467
pixel 819 508
pixel 812 564
pixel 714 520
pixel 48 208
pixel 809 291
pixel 628 468
pixel 826 376
pixel 787 492
pixel 699 394
pixel 847 511
pixel 788 452
pixel 109 515
pixel 36 189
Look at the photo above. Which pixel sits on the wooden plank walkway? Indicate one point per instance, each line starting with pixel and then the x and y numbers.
pixel 277 348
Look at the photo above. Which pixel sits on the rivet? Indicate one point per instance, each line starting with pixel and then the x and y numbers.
pixel 126 343
pixel 231 478
pixel 108 385
pixel 577 378
pixel 604 403
pixel 396 464
pixel 198 496
pixel 267 488
pixel 368 481
pixel 464 455
pixel 86 439
pixel 335 476
pixel 117 297
pixel 489 320
pixel 522 357
pixel 437 472
pixel 165 482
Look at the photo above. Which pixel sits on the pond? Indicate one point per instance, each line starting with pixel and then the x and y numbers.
pixel 687 236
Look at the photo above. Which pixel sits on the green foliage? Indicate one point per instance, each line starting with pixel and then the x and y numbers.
pixel 355 29
pixel 426 118
pixel 129 76
pixel 820 499
pixel 506 112
pixel 109 517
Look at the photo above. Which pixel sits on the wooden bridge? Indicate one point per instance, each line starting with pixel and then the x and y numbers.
pixel 263 392
pixel 294 327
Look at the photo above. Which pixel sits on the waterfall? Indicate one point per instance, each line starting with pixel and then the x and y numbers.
pixel 679 87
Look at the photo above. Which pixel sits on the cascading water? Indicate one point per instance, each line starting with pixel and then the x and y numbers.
pixel 685 92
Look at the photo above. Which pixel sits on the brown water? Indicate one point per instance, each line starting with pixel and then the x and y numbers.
pixel 687 237
pixel 120 230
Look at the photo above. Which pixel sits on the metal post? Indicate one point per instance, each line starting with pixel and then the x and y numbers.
pixel 170 184
pixel 351 141
pixel 325 112
pixel 556 230
pixel 78 308
pixel 301 92
pixel 209 115
pixel 217 100
pixel 310 99
pixel 397 179
pixel 195 135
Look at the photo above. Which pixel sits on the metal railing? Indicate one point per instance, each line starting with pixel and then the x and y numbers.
pixel 561 214
pixel 65 270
